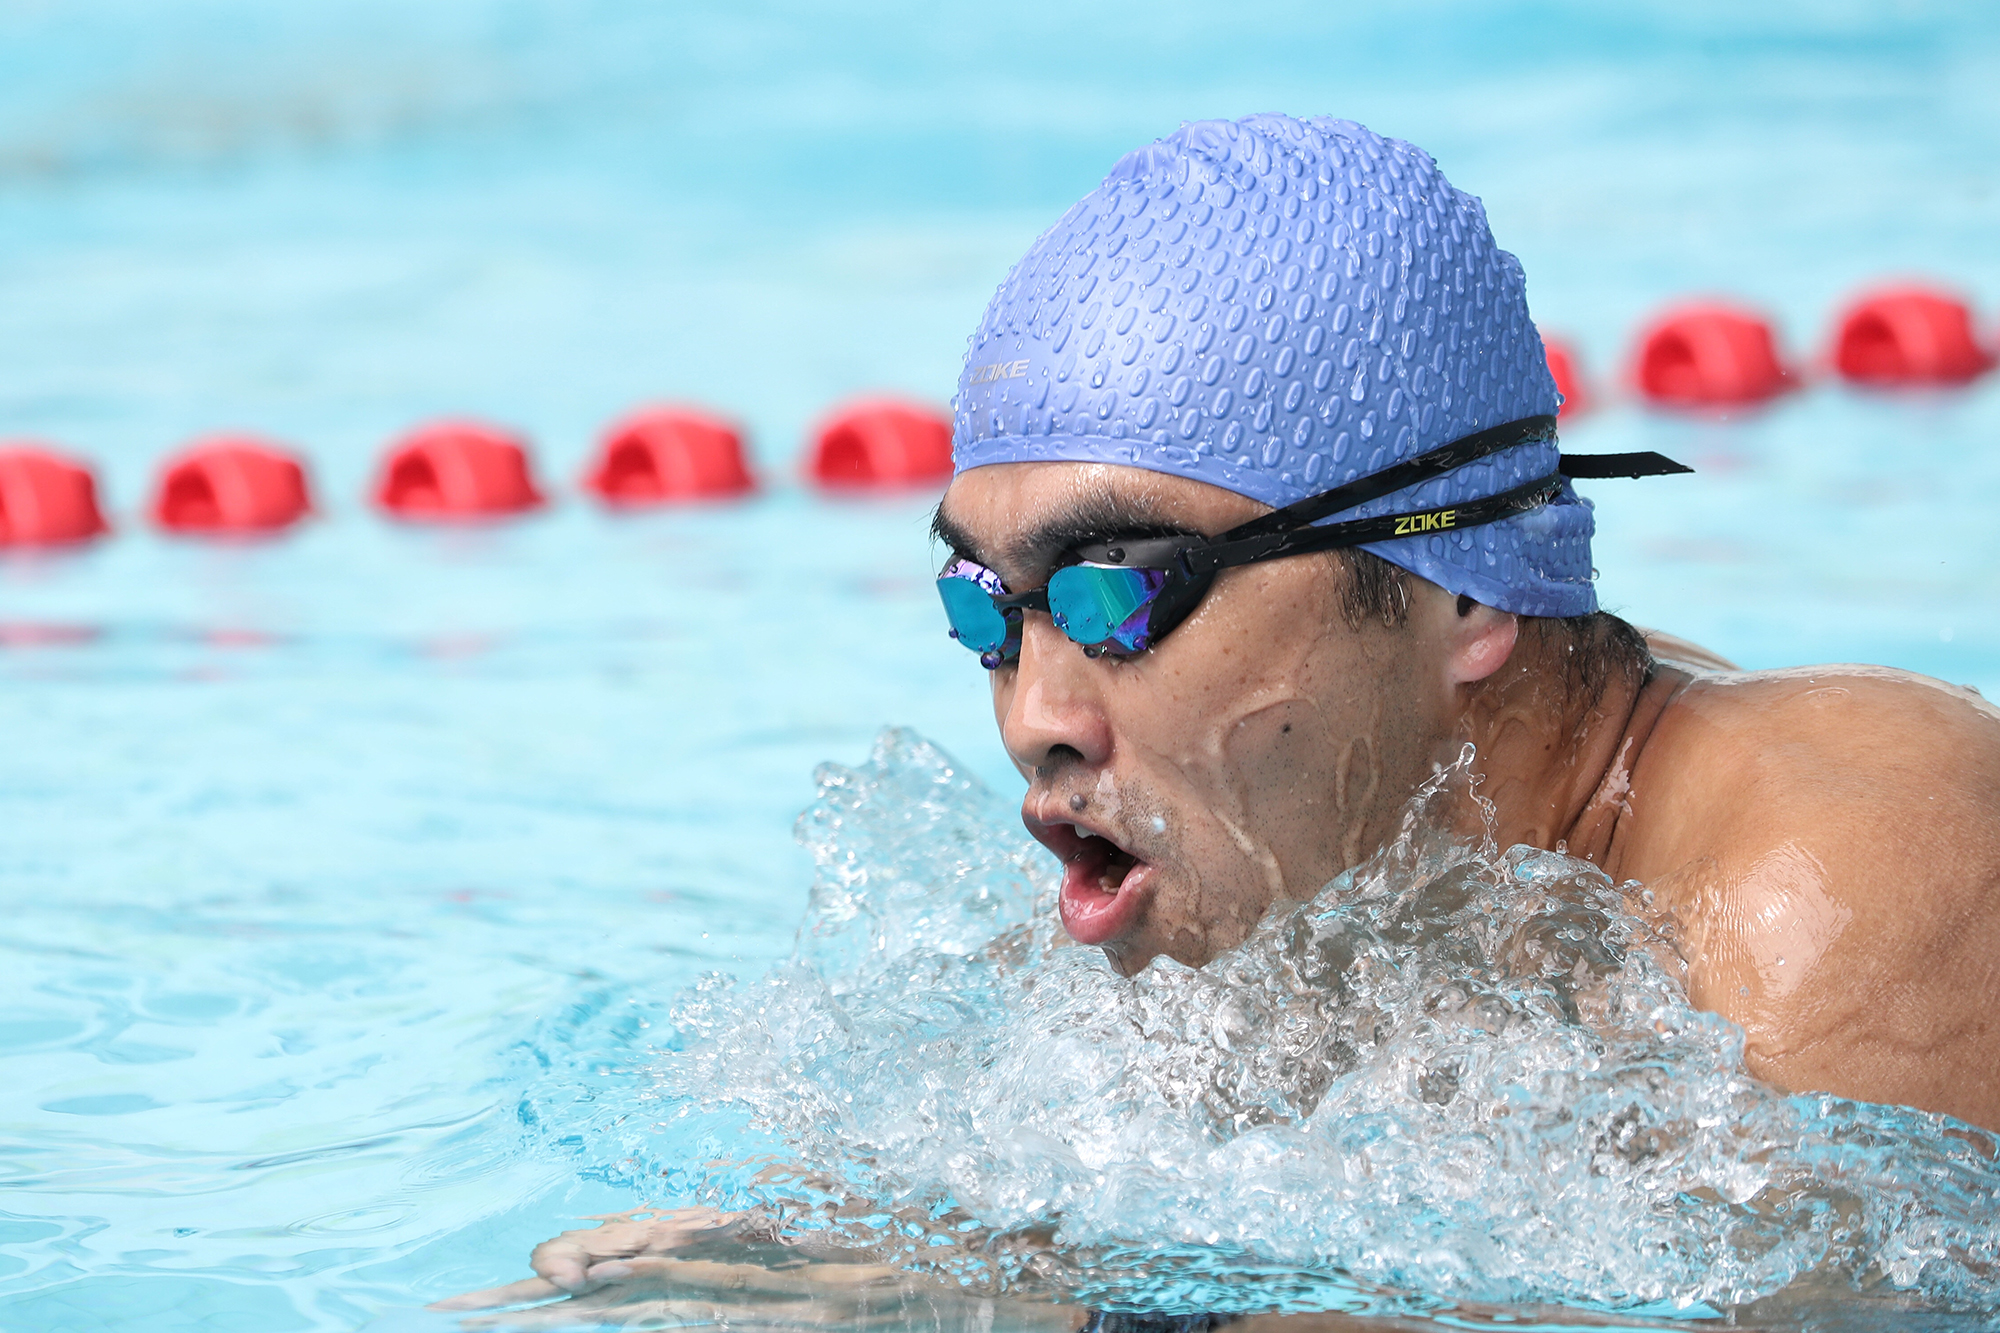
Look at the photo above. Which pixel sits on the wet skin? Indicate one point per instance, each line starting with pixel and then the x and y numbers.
pixel 1827 840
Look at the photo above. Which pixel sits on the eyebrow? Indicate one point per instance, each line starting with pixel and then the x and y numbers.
pixel 1089 517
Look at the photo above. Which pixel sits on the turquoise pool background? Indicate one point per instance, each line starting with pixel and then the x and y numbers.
pixel 306 845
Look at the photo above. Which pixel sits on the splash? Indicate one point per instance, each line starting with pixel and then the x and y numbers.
pixel 1458 1073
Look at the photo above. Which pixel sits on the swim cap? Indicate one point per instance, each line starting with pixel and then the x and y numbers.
pixel 1276 307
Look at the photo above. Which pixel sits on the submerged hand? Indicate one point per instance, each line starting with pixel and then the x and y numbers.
pixel 697 1266
pixel 655 1290
pixel 584 1259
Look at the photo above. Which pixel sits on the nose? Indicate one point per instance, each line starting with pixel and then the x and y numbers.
pixel 1052 710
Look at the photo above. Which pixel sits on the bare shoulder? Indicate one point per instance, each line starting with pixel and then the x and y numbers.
pixel 1843 715
pixel 1830 839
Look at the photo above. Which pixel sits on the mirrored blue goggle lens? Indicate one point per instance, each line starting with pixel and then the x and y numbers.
pixel 1096 603
pixel 975 621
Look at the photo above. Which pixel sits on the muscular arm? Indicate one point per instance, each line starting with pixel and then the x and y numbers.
pixel 1830 842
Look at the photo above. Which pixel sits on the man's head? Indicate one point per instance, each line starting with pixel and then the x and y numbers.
pixel 1244 315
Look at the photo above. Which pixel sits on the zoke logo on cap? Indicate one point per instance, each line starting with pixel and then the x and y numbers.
pixel 997 370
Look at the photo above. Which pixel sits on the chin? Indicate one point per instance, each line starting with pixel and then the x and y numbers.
pixel 1127 962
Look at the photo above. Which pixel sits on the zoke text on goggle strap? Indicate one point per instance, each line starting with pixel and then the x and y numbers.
pixel 1431 522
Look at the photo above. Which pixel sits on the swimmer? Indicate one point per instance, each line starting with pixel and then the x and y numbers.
pixel 1259 518
pixel 1221 701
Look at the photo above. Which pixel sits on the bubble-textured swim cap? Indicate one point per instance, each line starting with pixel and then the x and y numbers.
pixel 1278 306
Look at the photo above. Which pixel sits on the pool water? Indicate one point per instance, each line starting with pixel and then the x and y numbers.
pixel 341 867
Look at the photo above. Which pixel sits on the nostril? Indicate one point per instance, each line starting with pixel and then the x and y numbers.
pixel 1058 758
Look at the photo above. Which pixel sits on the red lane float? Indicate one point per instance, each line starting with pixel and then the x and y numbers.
pixel 1708 355
pixel 880 444
pixel 1908 335
pixel 231 484
pixel 456 469
pixel 46 498
pixel 659 455
pixel 1565 367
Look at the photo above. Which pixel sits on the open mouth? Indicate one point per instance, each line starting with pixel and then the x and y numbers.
pixel 1104 888
pixel 1102 864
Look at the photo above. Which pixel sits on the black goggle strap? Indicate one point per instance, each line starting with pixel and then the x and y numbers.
pixel 1434 463
pixel 1223 553
pixel 1448 458
pixel 1598 467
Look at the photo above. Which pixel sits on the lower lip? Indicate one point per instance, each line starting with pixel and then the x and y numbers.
pixel 1092 916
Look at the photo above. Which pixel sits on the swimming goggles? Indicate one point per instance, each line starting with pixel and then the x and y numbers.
pixel 1124 595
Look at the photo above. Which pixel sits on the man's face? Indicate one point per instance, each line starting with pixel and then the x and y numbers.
pixel 1261 749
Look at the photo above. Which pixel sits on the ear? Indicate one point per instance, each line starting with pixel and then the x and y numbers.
pixel 1481 638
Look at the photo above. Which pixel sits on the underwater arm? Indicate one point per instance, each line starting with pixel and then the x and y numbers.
pixel 697 1266
pixel 654 1291
pixel 584 1259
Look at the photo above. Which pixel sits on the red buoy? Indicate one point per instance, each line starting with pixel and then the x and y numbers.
pixel 1567 371
pixel 881 444
pixel 46 499
pixel 456 469
pixel 1708 356
pixel 231 483
pixel 1908 335
pixel 662 454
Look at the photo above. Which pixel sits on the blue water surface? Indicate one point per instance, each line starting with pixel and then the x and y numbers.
pixel 308 845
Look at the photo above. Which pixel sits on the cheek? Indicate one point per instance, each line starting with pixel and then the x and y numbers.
pixel 1267 738
pixel 1302 686
pixel 1293 747
pixel 1316 737
pixel 1311 764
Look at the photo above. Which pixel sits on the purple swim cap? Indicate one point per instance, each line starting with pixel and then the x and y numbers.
pixel 1278 306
